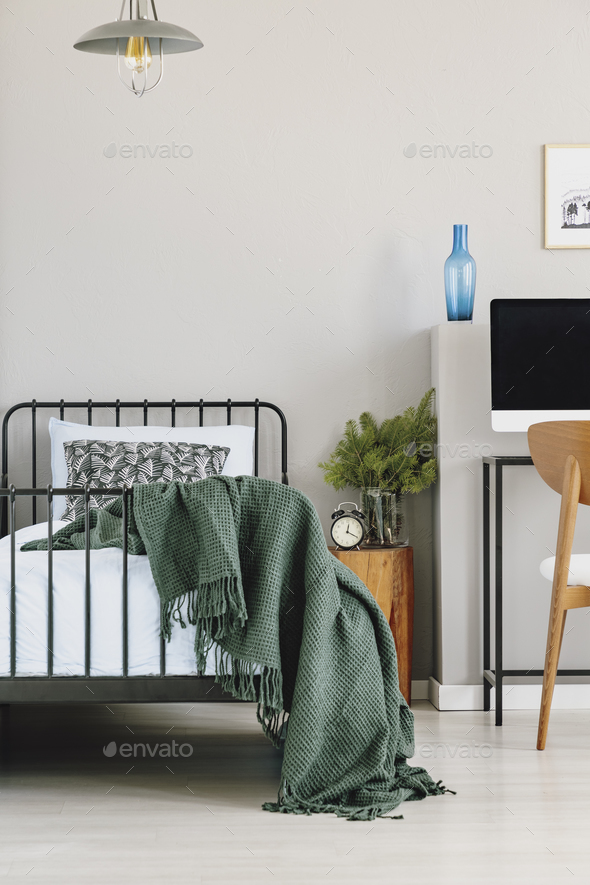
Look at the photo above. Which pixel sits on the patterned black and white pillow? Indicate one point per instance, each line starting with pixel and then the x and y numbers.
pixel 107 463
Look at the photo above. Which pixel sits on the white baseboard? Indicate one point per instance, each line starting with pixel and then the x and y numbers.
pixel 420 689
pixel 516 697
pixel 455 697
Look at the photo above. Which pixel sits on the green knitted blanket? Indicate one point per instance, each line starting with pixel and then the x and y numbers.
pixel 246 561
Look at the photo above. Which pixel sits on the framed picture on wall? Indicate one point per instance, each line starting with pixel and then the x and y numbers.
pixel 567 196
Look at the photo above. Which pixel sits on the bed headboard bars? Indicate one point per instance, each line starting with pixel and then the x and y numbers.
pixel 115 408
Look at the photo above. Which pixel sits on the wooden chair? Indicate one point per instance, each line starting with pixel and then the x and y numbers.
pixel 561 453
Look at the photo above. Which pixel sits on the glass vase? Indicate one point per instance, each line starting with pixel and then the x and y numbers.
pixel 385 518
pixel 460 272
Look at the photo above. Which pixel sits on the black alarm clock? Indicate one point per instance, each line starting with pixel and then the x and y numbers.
pixel 347 529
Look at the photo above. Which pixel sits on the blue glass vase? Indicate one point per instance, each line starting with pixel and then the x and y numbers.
pixel 460 278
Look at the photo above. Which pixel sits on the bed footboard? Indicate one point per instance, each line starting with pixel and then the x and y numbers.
pixel 112 690
pixel 86 688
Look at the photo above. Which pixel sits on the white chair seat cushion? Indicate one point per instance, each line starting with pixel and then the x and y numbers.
pixel 579 569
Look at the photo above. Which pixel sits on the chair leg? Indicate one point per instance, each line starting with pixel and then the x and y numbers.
pixel 561 634
pixel 554 640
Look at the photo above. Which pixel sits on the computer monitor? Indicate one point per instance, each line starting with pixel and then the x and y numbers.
pixel 540 361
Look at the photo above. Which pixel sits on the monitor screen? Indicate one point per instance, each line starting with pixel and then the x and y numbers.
pixel 540 360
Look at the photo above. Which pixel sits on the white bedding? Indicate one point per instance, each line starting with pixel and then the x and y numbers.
pixel 69 614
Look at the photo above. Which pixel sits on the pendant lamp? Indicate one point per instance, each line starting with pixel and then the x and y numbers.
pixel 135 41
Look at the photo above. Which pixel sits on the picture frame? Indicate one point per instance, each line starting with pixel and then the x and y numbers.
pixel 567 196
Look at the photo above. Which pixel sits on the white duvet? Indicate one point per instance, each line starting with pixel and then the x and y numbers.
pixel 69 614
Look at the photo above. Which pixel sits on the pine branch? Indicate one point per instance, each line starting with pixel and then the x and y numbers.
pixel 397 456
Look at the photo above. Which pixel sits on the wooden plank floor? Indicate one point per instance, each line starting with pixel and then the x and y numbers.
pixel 69 814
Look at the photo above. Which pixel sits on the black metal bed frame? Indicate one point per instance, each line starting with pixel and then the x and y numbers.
pixel 102 689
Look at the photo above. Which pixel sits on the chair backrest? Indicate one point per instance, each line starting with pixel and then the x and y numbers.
pixel 552 442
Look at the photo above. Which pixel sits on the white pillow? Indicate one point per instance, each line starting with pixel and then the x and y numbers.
pixel 239 438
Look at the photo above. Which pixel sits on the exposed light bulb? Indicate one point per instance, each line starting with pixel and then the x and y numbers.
pixel 134 54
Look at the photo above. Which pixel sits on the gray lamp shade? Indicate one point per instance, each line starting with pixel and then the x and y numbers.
pixel 103 40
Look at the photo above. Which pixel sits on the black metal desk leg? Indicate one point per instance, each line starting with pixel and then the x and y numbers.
pixel 498 649
pixel 487 663
pixel 4 735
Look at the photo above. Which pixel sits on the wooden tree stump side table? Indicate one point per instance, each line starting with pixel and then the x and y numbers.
pixel 388 573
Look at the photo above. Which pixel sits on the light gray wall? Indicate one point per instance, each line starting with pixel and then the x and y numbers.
pixel 298 227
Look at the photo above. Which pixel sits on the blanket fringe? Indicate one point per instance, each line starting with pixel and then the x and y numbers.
pixel 236 676
pixel 289 803
pixel 272 722
pixel 216 608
